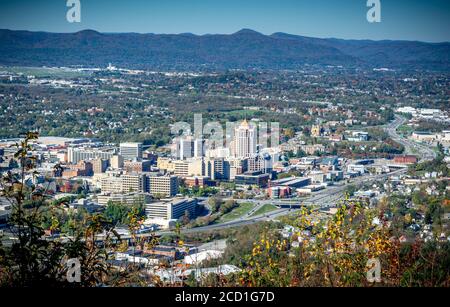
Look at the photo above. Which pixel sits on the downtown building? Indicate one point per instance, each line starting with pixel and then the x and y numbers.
pixel 189 167
pixel 131 151
pixel 100 165
pixel 167 212
pixel 187 147
pixel 166 186
pixel 245 140
pixel 190 159
pixel 75 154
pixel 123 183
pixel 81 169
pixel 116 162
pixel 128 199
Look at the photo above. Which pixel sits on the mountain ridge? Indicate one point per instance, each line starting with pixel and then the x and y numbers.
pixel 243 49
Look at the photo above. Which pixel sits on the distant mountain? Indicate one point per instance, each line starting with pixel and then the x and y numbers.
pixel 241 50
pixel 387 53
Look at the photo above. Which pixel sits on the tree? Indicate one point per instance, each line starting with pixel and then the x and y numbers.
pixel 350 190
pixel 215 203
pixel 339 254
pixel 289 133
pixel 186 218
pixel 119 213
pixel 116 212
pixel 33 260
pixel 228 206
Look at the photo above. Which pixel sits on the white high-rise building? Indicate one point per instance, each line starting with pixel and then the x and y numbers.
pixel 199 148
pixel 186 148
pixel 245 140
pixel 131 151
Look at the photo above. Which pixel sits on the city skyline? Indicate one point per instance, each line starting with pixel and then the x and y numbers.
pixel 240 160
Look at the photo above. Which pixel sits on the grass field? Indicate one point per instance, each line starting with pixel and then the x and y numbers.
pixel 264 209
pixel 404 129
pixel 248 113
pixel 42 72
pixel 236 213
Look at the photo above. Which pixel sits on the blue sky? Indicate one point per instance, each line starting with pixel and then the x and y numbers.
pixel 425 20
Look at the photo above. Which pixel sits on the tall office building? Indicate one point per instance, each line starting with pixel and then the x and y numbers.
pixel 245 140
pixel 131 151
pixel 186 148
pixel 217 168
pixel 199 148
pixel 116 161
pixel 100 165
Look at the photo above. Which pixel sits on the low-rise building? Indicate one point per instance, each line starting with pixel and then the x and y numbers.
pixel 198 181
pixel 128 199
pixel 317 177
pixel 359 136
pixel 310 189
pixel 166 186
pixel 81 169
pixel 423 136
pixel 165 211
pixel 253 178
pixel 356 168
pixel 405 159
pixel 198 258
pixel 292 182
pixel 122 183
pixel 279 192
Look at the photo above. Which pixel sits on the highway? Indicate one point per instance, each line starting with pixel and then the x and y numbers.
pixel 425 153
